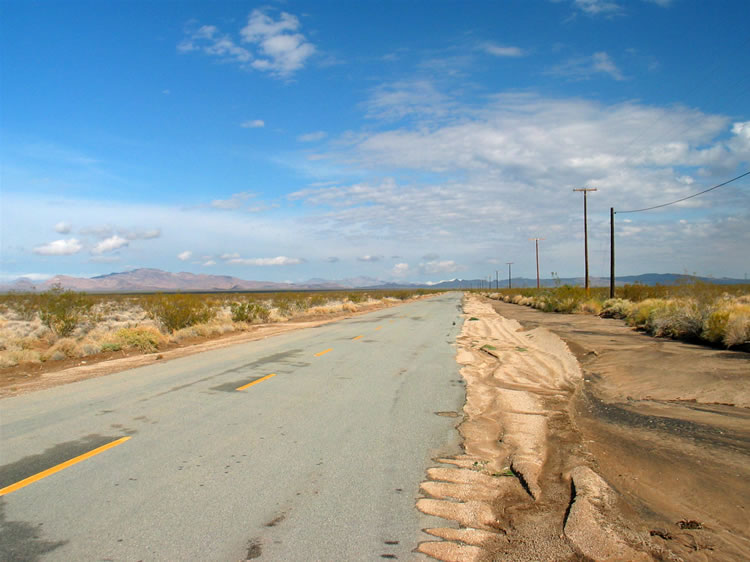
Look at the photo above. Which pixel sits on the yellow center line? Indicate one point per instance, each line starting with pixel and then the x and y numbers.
pixel 248 385
pixel 379 328
pixel 357 338
pixel 50 471
pixel 323 352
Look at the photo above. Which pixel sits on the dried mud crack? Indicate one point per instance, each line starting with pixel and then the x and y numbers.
pixel 525 487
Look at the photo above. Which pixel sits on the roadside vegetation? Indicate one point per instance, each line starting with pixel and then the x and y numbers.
pixel 695 311
pixel 60 324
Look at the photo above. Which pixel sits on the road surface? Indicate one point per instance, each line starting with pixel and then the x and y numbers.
pixel 320 461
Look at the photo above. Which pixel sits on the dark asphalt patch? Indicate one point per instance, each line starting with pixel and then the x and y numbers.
pixel 20 540
pixel 34 464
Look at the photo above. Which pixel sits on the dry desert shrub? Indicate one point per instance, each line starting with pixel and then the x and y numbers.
pixel 729 322
pixel 680 319
pixel 590 306
pixel 175 312
pixel 616 308
pixel 143 338
pixel 13 357
pixel 63 310
pixel 249 312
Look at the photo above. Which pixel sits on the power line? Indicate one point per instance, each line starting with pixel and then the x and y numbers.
pixel 684 198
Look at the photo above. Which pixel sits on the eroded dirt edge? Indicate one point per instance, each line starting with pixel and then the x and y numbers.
pixel 524 488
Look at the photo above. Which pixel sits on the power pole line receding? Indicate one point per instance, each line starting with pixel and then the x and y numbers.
pixel 585 191
pixel 509 263
pixel 536 242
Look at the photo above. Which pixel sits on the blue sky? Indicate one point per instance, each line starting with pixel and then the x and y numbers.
pixel 410 141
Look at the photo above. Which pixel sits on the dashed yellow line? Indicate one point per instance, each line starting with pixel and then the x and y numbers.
pixel 379 328
pixel 323 352
pixel 50 471
pixel 357 338
pixel 248 385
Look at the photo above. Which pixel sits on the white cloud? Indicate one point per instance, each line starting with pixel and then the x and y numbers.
pixel 208 263
pixel 415 98
pixel 233 255
pixel 110 244
pixel 278 46
pixel 63 228
pixel 433 267
pixel 148 234
pixel 502 51
pixel 209 40
pixel 185 256
pixel 368 258
pixel 400 270
pixel 584 68
pixel 101 231
pixel 312 137
pixel 234 202
pixel 59 248
pixel 284 50
pixel 253 124
pixel 598 7
pixel 279 260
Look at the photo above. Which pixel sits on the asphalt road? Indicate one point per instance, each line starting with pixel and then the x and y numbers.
pixel 321 461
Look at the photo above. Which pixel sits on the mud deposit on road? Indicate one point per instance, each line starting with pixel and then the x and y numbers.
pixel 664 424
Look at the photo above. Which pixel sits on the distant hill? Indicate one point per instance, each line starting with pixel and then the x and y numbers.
pixel 154 280
pixel 644 279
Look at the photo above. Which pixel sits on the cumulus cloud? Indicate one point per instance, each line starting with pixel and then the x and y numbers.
pixel 368 258
pixel 279 260
pixel 185 256
pixel 282 48
pixel 110 244
pixel 400 270
pixel 273 45
pixel 253 124
pixel 208 263
pixel 63 228
pixel 59 248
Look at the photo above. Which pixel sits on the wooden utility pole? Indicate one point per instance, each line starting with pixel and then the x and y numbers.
pixel 509 264
pixel 611 252
pixel 497 280
pixel 585 191
pixel 536 242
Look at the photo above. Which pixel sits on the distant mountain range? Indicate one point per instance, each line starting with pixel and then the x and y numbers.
pixel 155 280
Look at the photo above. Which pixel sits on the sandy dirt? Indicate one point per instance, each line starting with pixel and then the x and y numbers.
pixel 587 440
pixel 31 377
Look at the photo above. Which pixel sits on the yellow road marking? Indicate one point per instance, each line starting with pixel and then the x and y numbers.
pixel 50 471
pixel 248 385
pixel 323 352
pixel 379 328
pixel 357 338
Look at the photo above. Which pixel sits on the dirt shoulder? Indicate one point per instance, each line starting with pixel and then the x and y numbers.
pixel 667 426
pixel 32 377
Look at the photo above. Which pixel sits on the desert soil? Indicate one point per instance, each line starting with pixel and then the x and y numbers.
pixel 585 440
